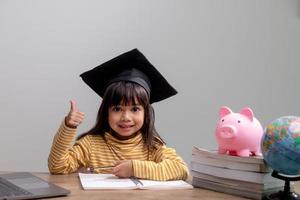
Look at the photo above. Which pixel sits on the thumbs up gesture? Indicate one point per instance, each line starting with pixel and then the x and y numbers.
pixel 75 117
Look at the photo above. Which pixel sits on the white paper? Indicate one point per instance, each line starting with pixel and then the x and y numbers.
pixel 105 181
pixel 164 185
pixel 109 181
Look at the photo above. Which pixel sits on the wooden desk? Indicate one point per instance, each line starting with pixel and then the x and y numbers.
pixel 72 183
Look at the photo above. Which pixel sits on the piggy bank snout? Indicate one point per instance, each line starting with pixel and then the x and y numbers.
pixel 227 131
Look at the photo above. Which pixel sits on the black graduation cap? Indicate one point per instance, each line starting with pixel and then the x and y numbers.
pixel 131 66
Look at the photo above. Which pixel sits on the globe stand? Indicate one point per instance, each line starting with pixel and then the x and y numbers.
pixel 286 194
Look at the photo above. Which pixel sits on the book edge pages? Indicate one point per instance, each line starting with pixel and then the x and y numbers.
pixel 214 154
pixel 232 174
pixel 240 183
pixel 233 191
pixel 256 167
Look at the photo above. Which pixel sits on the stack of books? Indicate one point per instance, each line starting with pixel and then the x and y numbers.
pixel 243 176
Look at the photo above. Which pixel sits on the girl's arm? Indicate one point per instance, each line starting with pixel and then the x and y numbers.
pixel 65 158
pixel 166 165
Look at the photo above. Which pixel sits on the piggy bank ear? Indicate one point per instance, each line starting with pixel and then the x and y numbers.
pixel 248 113
pixel 224 110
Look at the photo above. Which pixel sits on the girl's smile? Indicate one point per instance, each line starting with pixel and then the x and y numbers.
pixel 125 126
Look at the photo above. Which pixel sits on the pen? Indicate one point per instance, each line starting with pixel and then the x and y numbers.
pixel 136 180
pixel 103 167
pixel 91 169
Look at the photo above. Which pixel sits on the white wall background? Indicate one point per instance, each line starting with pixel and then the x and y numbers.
pixel 214 52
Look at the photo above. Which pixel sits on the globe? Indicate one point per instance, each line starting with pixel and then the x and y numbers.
pixel 280 145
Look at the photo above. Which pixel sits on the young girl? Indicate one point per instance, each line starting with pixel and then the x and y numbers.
pixel 123 141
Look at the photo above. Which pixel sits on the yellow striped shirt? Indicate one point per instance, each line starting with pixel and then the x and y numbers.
pixel 94 151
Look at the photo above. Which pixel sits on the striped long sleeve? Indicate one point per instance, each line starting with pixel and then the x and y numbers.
pixel 100 151
pixel 166 165
pixel 65 157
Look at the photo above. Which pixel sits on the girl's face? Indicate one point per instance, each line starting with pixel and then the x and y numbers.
pixel 126 120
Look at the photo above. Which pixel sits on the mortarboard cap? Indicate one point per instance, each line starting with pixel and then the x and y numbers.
pixel 131 66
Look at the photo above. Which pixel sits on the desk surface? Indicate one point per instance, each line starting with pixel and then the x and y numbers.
pixel 72 183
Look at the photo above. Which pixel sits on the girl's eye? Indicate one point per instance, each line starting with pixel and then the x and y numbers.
pixel 116 109
pixel 135 109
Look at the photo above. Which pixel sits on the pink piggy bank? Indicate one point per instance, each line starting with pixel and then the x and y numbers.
pixel 238 134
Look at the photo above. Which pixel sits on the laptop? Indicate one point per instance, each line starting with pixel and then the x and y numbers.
pixel 24 185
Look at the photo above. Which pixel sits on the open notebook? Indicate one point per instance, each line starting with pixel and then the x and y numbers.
pixel 110 182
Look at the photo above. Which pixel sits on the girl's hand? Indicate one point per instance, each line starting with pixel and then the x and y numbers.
pixel 123 169
pixel 75 117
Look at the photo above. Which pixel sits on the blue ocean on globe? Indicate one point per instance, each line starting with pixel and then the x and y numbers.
pixel 280 145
